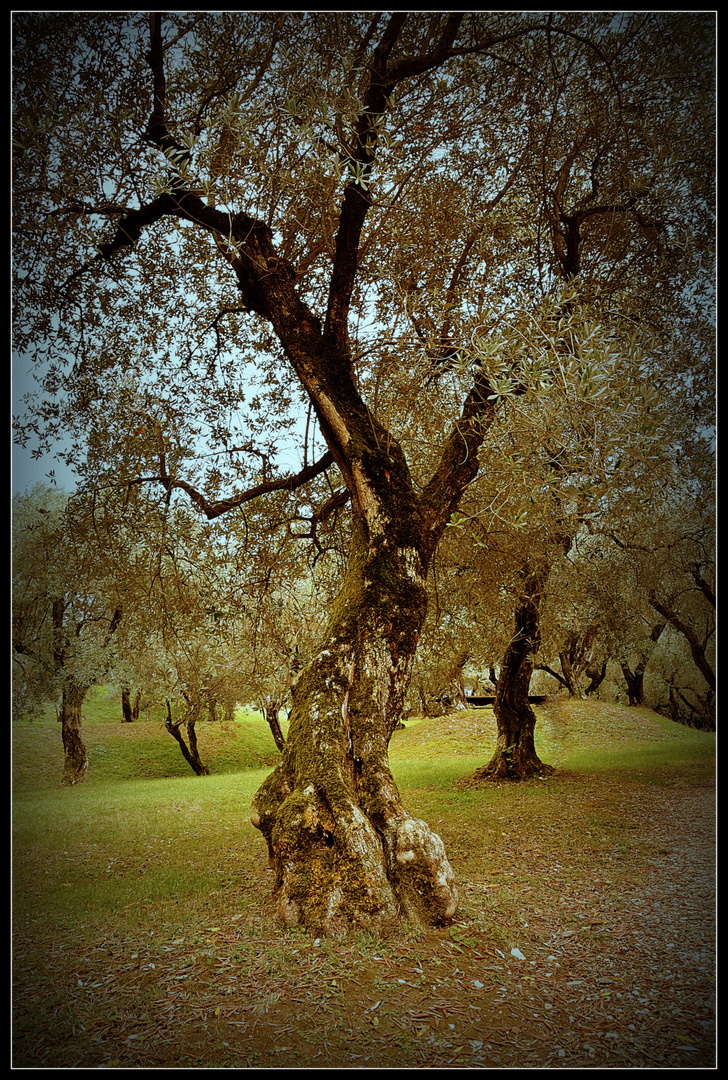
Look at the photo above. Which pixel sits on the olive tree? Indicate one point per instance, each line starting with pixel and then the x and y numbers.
pixel 66 612
pixel 255 249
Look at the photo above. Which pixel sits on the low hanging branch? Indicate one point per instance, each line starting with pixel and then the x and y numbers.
pixel 284 483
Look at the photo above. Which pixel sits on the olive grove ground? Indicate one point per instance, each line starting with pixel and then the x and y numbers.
pixel 585 937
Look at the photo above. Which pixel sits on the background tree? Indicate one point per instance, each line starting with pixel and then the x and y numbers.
pixel 671 559
pixel 287 620
pixel 346 196
pixel 66 614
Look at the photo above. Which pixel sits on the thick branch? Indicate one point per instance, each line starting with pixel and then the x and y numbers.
pixel 704 586
pixel 554 674
pixel 213 510
pixel 458 463
pixel 157 131
pixel 265 280
pixel 410 66
pixel 357 199
pixel 697 651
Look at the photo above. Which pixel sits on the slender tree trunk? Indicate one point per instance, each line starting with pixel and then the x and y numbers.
pixel 576 657
pixel 344 851
pixel 270 712
pixel 515 756
pixel 458 680
pixel 635 679
pixel 129 711
pixel 596 676
pixel 189 753
pixel 567 657
pixel 76 761
pixel 635 683
pixel 199 768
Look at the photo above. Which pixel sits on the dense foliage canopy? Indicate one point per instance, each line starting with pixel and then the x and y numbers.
pixel 369 281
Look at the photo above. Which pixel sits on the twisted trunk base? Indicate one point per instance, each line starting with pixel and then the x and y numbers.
pixel 515 756
pixel 345 853
pixel 337 873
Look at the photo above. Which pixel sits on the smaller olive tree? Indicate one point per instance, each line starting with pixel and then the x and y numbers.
pixel 66 612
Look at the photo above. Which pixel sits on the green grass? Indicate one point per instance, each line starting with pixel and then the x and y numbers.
pixel 588 736
pixel 142 898
pixel 121 846
pixel 140 750
pixel 594 736
pixel 144 831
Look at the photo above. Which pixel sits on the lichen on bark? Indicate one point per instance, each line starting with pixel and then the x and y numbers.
pixel 345 853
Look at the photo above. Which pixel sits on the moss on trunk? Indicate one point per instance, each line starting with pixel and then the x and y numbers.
pixel 345 852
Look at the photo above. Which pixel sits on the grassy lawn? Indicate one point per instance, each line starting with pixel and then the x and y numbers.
pixel 143 931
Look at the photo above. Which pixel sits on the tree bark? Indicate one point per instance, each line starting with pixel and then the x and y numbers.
pixel 596 676
pixel 129 712
pixel 697 647
pixel 189 753
pixel 700 716
pixel 635 682
pixel 635 679
pixel 515 756
pixel 270 712
pixel 76 760
pixel 345 853
pixel 458 679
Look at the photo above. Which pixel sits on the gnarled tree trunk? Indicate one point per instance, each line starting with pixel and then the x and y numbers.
pixel 515 756
pixel 345 852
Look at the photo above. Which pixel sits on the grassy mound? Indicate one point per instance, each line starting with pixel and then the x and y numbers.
pixel 140 750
